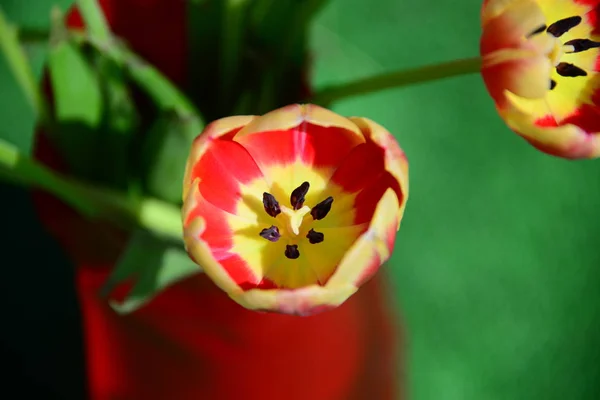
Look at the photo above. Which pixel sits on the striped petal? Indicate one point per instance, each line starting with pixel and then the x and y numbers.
pixel 274 204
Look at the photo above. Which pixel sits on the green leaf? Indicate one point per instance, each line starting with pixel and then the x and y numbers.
pixel 17 115
pixel 75 85
pixel 20 102
pixel 164 153
pixel 94 19
pixel 154 265
pixel 33 14
pixel 78 107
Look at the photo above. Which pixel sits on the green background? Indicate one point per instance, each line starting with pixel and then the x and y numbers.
pixel 497 265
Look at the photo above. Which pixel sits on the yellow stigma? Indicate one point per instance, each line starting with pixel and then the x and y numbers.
pixel 292 219
pixel 557 52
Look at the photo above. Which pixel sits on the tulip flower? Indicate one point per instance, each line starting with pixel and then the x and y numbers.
pixel 540 63
pixel 294 210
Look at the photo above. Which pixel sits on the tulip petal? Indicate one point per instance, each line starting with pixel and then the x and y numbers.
pixel 567 141
pixel 216 236
pixel 373 247
pixel 492 8
pixel 214 130
pixel 522 72
pixel 366 201
pixel 507 23
pixel 307 136
pixel 395 160
pixel 304 301
pixel 359 167
pixel 227 170
pixel 572 96
pixel 337 241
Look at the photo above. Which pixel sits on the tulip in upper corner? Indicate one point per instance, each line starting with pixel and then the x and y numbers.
pixel 540 65
pixel 294 210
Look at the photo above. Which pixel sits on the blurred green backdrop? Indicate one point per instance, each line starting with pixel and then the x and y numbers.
pixel 497 264
pixel 496 268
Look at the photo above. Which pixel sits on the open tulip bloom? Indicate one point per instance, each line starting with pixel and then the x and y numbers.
pixel 540 63
pixel 294 210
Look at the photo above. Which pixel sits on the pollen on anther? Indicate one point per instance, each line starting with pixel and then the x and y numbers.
pixel 562 26
pixel 569 70
pixel 582 45
pixel 271 234
pixel 538 30
pixel 321 210
pixel 291 251
pixel 298 195
pixel 315 237
pixel 271 205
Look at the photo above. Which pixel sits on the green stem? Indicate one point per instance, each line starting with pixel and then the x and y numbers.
pixel 25 171
pixel 166 95
pixel 397 79
pixel 94 19
pixel 158 217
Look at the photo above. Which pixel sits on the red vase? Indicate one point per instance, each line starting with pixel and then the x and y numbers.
pixel 192 341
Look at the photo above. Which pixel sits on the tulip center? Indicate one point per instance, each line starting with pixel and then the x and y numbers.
pixel 559 48
pixel 293 223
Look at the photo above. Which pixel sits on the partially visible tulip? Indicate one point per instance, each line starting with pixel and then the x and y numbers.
pixel 294 210
pixel 540 64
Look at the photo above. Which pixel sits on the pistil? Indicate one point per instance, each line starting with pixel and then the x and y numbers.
pixel 290 220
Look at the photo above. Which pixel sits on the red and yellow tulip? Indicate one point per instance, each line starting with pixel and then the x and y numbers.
pixel 540 65
pixel 294 210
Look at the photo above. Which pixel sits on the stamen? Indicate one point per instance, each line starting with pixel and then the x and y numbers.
pixel 297 197
pixel 552 84
pixel 271 205
pixel 315 237
pixel 321 210
pixel 538 30
pixel 291 251
pixel 562 26
pixel 581 45
pixel 570 70
pixel 271 234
